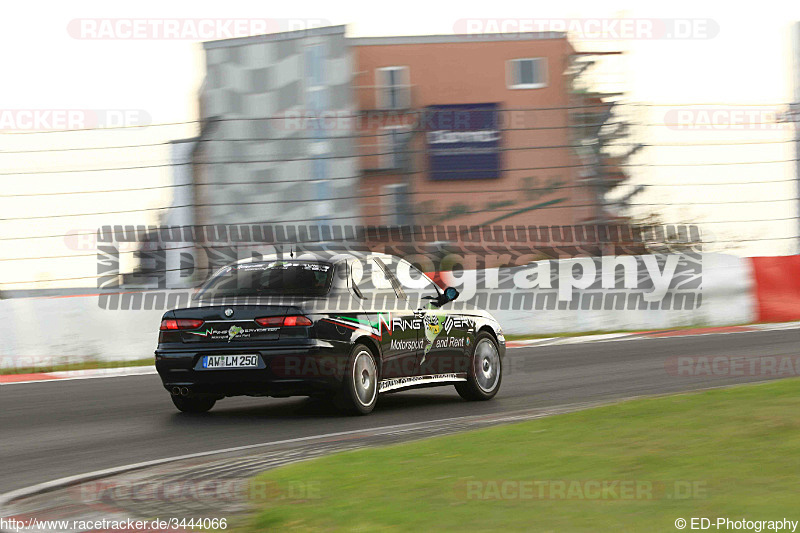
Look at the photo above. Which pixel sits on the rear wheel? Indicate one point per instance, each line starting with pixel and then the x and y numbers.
pixel 191 404
pixel 485 372
pixel 360 388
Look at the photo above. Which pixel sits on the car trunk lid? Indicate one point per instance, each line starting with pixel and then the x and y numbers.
pixel 231 323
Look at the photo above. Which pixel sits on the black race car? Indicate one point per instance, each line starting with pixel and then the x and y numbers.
pixel 344 326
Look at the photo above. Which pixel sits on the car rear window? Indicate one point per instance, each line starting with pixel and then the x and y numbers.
pixel 306 278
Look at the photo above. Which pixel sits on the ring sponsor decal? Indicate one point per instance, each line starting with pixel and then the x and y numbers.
pixel 432 324
pixel 237 332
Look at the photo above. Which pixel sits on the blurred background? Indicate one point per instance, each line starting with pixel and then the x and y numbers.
pixel 117 121
pixel 594 115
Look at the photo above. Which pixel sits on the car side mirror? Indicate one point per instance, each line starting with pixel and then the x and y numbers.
pixel 450 294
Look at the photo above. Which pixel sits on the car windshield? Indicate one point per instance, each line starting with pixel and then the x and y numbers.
pixel 306 278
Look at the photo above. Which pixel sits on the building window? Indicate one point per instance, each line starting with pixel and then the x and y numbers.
pixel 322 207
pixel 314 116
pixel 315 65
pixel 527 73
pixel 393 146
pixel 396 210
pixel 393 88
pixel 316 96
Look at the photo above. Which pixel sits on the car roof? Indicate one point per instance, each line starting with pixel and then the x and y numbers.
pixel 328 256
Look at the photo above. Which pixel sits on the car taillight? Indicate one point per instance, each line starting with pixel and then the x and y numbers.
pixel 275 321
pixel 181 323
pixel 296 321
pixel 270 321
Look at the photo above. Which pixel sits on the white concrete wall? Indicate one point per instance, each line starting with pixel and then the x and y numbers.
pixel 76 326
pixel 727 298
pixel 53 330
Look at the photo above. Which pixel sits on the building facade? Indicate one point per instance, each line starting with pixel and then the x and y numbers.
pixel 261 160
pixel 457 130
pixel 485 129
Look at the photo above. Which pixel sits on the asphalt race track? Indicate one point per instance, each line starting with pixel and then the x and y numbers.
pixel 56 429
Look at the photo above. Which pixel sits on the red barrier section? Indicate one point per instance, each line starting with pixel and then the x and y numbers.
pixel 777 281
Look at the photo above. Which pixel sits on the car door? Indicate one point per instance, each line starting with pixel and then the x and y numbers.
pixel 394 324
pixel 443 332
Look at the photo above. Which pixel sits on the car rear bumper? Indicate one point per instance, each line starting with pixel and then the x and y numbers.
pixel 300 370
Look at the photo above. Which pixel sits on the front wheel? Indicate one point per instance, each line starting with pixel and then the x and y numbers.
pixel 485 372
pixel 360 388
pixel 189 404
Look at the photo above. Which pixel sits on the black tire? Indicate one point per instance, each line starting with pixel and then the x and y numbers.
pixel 359 392
pixel 192 404
pixel 485 370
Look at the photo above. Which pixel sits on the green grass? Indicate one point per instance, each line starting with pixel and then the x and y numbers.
pixel 739 449
pixel 82 365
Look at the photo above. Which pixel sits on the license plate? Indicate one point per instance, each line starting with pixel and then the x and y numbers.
pixel 230 361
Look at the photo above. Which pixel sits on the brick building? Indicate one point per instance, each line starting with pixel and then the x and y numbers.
pixel 313 126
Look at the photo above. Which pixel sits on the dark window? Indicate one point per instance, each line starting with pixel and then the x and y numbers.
pixel 307 278
pixel 530 73
pixel 393 88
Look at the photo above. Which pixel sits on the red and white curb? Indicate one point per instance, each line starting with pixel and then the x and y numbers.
pixel 17 379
